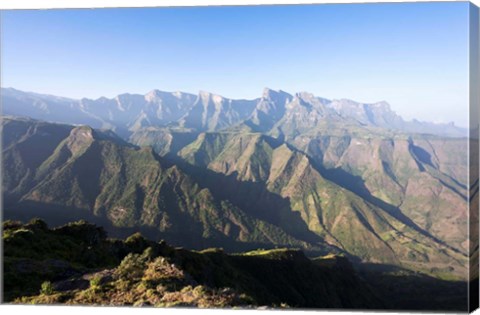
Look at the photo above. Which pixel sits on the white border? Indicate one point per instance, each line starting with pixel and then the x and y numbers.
pixel 76 310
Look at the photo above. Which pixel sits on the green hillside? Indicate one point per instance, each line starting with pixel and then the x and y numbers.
pixel 125 188
pixel 78 264
pixel 339 216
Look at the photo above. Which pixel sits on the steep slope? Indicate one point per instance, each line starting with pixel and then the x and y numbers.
pixel 381 115
pixel 214 112
pixel 26 144
pixel 325 161
pixel 269 109
pixel 423 177
pixel 46 107
pixel 334 213
pixel 124 114
pixel 140 272
pixel 378 114
pixel 306 113
pixel 275 112
pixel 88 174
pixel 163 140
pixel 131 112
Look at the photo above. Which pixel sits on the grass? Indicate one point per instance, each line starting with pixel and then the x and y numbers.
pixel 139 272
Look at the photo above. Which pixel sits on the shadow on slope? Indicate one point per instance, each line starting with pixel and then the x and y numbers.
pixel 356 185
pixel 80 252
pixel 253 198
pixel 189 237
pixel 402 289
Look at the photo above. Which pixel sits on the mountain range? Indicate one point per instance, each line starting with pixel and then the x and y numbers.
pixel 274 111
pixel 281 170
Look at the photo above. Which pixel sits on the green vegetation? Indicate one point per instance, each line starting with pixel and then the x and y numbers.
pixel 366 226
pixel 141 272
pixel 46 288
pixel 284 172
pixel 246 190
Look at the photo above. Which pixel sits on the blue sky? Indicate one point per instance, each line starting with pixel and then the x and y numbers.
pixel 413 55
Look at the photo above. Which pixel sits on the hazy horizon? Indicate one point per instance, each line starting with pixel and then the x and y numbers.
pixel 412 55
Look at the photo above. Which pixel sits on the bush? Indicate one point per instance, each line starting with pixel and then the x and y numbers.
pixel 46 288
pixel 37 224
pixel 132 266
pixel 83 231
pixel 136 243
pixel 95 282
pixel 11 225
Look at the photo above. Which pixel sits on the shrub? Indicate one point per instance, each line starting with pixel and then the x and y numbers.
pixel 46 288
pixel 11 225
pixel 132 266
pixel 137 243
pixel 37 223
pixel 95 282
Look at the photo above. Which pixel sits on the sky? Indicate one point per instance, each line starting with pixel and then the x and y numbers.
pixel 412 55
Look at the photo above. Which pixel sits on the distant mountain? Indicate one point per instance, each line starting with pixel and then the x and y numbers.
pixel 381 115
pixel 233 190
pixel 46 107
pixel 122 114
pixel 214 112
pixel 269 109
pixel 275 112
pixel 284 169
pixel 128 112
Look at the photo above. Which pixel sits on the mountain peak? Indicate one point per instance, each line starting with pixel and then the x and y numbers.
pixel 80 138
pixel 152 95
pixel 167 109
pixel 267 92
pixel 203 93
pixel 207 93
pixel 305 96
pixel 85 132
pixel 154 92
pixel 177 94
pixel 381 105
pixel 207 96
pixel 271 94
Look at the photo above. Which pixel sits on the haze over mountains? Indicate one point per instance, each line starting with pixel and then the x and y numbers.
pixel 281 170
pixel 128 113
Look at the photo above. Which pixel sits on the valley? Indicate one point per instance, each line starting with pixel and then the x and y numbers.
pixel 327 177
